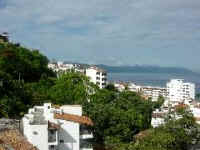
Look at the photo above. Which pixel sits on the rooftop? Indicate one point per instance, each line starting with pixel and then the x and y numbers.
pixel 75 118
pixel 97 69
pixel 13 139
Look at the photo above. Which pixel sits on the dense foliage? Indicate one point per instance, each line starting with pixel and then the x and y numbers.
pixel 176 134
pixel 23 63
pixel 118 116
pixel 18 68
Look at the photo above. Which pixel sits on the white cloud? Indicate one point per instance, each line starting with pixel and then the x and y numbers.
pixel 134 30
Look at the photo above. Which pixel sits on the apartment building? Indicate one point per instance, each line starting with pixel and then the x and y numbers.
pixel 154 92
pixel 179 91
pixel 50 127
pixel 97 76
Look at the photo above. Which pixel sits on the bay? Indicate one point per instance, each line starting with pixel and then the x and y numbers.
pixel 153 79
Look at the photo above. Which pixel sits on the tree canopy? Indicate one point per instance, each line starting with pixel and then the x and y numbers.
pixel 176 134
pixel 19 66
pixel 22 63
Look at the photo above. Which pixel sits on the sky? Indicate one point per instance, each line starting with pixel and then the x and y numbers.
pixel 112 32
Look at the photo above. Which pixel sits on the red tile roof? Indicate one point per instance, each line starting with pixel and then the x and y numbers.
pixel 181 106
pixel 13 139
pixel 197 118
pixel 75 118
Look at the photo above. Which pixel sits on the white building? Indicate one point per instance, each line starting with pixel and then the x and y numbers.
pixel 51 128
pixel 179 91
pixel 133 87
pixel 120 86
pixel 97 76
pixel 158 118
pixel 61 67
pixel 154 92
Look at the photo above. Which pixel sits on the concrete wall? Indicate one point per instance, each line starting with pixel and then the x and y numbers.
pixel 69 136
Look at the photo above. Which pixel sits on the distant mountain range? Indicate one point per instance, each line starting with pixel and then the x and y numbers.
pixel 141 69
pixel 147 69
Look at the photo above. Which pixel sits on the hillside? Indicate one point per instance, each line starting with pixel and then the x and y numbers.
pixel 146 69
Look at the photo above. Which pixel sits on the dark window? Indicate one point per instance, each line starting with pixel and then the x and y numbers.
pixel 35 133
pixel 61 141
pixel 52 131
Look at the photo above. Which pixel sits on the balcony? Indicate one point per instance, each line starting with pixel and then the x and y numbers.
pixel 86 148
pixel 104 74
pixel 104 79
pixel 52 137
pixel 53 147
pixel 85 134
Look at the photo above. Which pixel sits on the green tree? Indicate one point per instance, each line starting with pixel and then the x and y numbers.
pixel 176 134
pixel 22 63
pixel 118 116
pixel 19 67
pixel 72 88
pixel 159 102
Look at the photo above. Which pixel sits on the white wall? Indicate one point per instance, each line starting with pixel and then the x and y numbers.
pixel 36 134
pixel 155 122
pixel 69 133
pixel 96 78
pixel 72 109
pixel 180 91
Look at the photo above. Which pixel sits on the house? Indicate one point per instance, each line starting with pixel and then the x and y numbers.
pixel 120 86
pixel 51 127
pixel 4 37
pixel 133 87
pixel 158 118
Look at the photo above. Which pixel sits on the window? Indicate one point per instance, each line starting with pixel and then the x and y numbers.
pixel 52 146
pixel 61 141
pixel 52 131
pixel 35 132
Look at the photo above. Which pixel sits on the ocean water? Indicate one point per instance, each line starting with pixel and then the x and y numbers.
pixel 153 79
